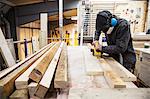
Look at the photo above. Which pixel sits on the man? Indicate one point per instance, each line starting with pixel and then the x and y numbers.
pixel 118 39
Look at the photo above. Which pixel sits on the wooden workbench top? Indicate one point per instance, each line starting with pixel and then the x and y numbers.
pixel 83 86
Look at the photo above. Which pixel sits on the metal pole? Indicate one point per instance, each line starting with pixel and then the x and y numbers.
pixel 25 47
pixel 61 19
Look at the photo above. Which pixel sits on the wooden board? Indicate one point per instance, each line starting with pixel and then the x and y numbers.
pixel 22 81
pixel 41 67
pixel 32 88
pixel 45 82
pixel 61 75
pixel 111 77
pixel 19 94
pixel 113 80
pixel 77 75
pixel 123 73
pixel 5 51
pixel 109 93
pixel 7 83
pixel 10 69
pixel 92 65
pixel 76 71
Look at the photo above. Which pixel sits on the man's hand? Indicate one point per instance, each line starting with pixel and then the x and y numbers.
pixel 97 46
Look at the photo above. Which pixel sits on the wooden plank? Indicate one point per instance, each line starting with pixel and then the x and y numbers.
pixel 32 88
pixel 92 65
pixel 5 51
pixel 39 70
pixel 61 75
pixel 19 94
pixel 112 78
pixel 10 69
pixel 22 81
pixel 123 73
pixel 45 82
pixel 105 65
pixel 7 83
pixel 77 74
pixel 109 93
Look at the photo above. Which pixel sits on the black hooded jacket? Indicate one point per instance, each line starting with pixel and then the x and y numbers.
pixel 120 42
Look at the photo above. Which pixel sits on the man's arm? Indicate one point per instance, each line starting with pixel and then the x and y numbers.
pixel 122 40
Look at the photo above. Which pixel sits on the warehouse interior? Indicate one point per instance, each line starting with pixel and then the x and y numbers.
pixel 47 50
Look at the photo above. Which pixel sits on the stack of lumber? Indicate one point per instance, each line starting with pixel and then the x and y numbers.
pixel 33 76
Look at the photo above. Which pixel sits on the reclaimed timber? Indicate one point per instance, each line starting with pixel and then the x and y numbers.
pixel 38 72
pixel 45 82
pixel 113 80
pixel 7 83
pixel 111 77
pixel 19 94
pixel 10 69
pixel 92 65
pixel 22 81
pixel 123 73
pixel 32 88
pixel 61 75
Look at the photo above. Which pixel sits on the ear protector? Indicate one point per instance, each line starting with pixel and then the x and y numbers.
pixel 113 22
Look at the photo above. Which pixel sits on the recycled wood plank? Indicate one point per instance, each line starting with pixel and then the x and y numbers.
pixel 5 51
pixel 10 69
pixel 123 73
pixel 112 78
pixel 32 88
pixel 38 72
pixel 109 93
pixel 61 75
pixel 19 94
pixel 92 65
pixel 45 82
pixel 22 81
pixel 7 83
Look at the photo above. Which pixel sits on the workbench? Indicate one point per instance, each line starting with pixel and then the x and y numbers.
pixel 143 64
pixel 85 77
pixel 83 86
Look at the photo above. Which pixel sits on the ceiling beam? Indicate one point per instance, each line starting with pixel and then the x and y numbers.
pixel 28 13
pixel 7 2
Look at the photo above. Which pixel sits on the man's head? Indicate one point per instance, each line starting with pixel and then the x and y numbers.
pixel 103 21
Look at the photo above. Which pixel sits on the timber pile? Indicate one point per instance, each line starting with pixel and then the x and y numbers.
pixel 33 76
